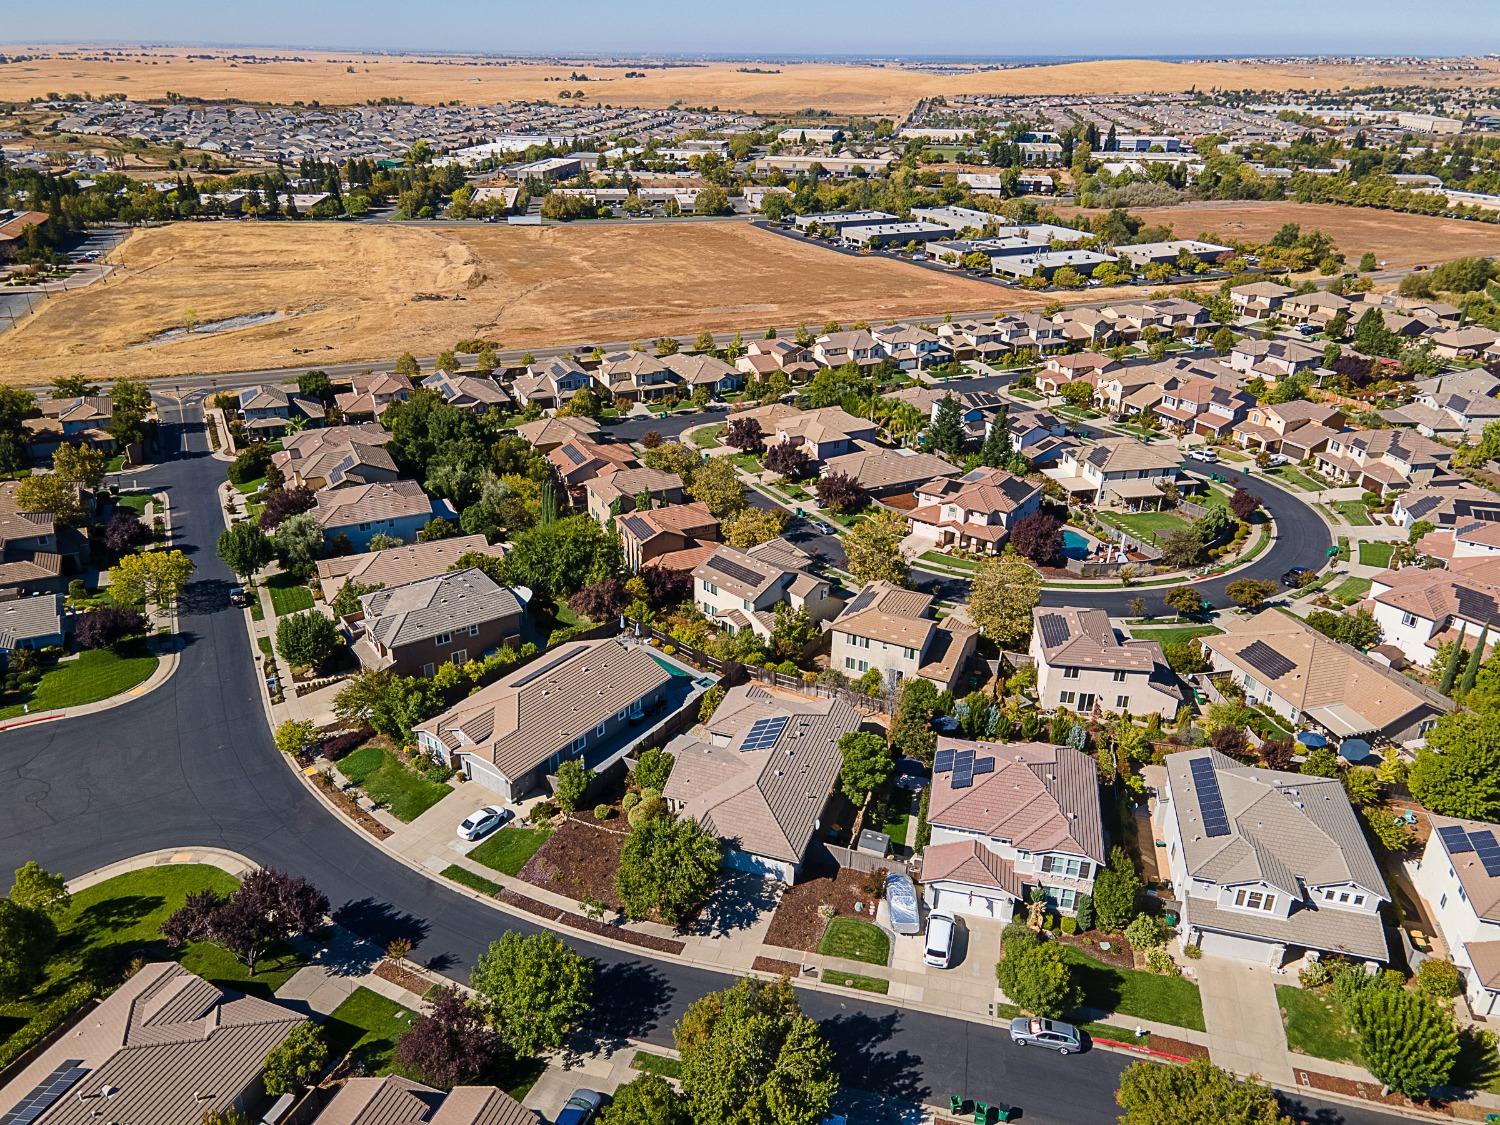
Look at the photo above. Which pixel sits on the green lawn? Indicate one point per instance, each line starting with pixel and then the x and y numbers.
pixel 1351 590
pixel 264 644
pixel 369 1025
pixel 382 775
pixel 652 1063
pixel 1145 525
pixel 508 850
pixel 1296 477
pixel 288 595
pixel 706 437
pixel 1129 992
pixel 468 879
pixel 1376 554
pixel 856 980
pixel 1315 1026
pixel 112 923
pixel 1024 395
pixel 1354 512
pixel 939 559
pixel 249 487
pixel 1141 431
pixel 1174 636
pixel 133 502
pixel 854 940
pixel 90 677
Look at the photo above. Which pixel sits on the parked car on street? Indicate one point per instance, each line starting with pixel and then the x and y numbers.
pixel 942 929
pixel 581 1108
pixel 481 822
pixel 238 596
pixel 1052 1034
pixel 1292 579
pixel 1206 455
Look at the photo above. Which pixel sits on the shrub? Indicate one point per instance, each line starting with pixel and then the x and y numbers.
pixel 1083 912
pixel 1069 925
pixel 573 781
pixel 629 801
pixel 1016 931
pixel 1439 979
pixel 1192 952
pixel 1160 962
pixel 603 811
pixel 1315 975
pixel 108 625
pixel 305 640
pixel 1145 932
pixel 541 812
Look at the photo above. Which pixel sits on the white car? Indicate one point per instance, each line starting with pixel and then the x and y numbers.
pixel 1278 459
pixel 1207 455
pixel 481 822
pixel 937 950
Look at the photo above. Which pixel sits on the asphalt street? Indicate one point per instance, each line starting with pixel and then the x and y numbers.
pixel 192 764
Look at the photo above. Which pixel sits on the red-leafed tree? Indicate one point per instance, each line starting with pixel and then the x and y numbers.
pixel 666 586
pixel 839 492
pixel 124 533
pixel 268 908
pixel 1244 504
pixel 601 601
pixel 452 1044
pixel 744 434
pixel 1039 538
pixel 107 625
pixel 789 461
pixel 283 504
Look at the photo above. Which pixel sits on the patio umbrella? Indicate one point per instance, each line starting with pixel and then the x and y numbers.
pixel 1354 749
pixel 1312 740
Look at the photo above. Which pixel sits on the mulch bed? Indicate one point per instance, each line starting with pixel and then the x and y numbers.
pixel 579 861
pixel 780 968
pixel 1176 1047
pixel 1365 1091
pixel 1119 953
pixel 588 925
pixel 797 923
pixel 530 905
pixel 352 810
pixel 404 978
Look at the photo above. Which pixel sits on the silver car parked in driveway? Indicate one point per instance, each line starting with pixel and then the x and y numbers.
pixel 1052 1034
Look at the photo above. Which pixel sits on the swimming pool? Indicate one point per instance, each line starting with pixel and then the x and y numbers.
pixel 1075 546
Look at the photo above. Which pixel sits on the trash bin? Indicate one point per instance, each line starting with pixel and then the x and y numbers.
pixel 1169 917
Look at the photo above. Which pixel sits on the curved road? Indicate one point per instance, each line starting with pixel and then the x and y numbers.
pixel 193 764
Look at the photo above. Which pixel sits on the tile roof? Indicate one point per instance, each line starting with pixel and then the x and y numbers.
pixel 1126 454
pixel 1084 638
pixel 886 612
pixel 969 861
pixel 631 483
pixel 30 619
pixel 1482 888
pixel 397 565
pixel 365 503
pixel 394 1100
pixel 828 423
pixel 766 563
pixel 446 603
pixel 547 432
pixel 880 468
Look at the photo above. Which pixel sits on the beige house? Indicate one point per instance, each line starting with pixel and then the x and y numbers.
pixel 1083 666
pixel 892 631
pixel 1267 425
pixel 974 512
pixel 451 618
pixel 1316 308
pixel 394 1100
pixel 309 459
pixel 546 434
pixel 887 472
pixel 1116 472
pixel 372 395
pixel 395 566
pixel 676 536
pixel 635 376
pixel 1259 300
pixel 1378 460
pixel 1458 880
pixel 468 392
pixel 741 589
pixel 824 433
pixel 609 496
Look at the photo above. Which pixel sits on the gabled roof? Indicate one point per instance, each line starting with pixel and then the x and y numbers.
pixel 1126 454
pixel 1084 638
pixel 394 1100
pixel 546 433
pixel 395 566
pixel 748 573
pixel 878 468
pixel 365 503
pixel 828 423
pixel 1482 888
pixel 886 612
pixel 970 862
pixel 445 603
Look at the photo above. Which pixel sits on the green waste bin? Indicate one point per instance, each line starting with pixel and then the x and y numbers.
pixel 1169 917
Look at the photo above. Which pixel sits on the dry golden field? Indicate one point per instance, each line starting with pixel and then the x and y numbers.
pixel 348 78
pixel 345 293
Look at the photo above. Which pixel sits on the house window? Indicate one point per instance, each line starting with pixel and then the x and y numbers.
pixel 1067 697
pixel 1408 619
pixel 910 653
pixel 1424 726
pixel 710 588
pixel 429 670
pixel 1122 702
pixel 1063 898
pixel 1086 702
pixel 1070 673
pixel 473 630
pixel 459 655
pixel 1070 866
pixel 443 639
pixel 1254 900
pixel 1119 677
pixel 600 730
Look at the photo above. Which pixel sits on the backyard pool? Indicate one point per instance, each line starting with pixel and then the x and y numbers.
pixel 1075 545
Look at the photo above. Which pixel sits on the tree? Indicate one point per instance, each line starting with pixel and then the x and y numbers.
pixel 244 549
pixel 435 529
pixel 573 780
pixel 131 402
pixel 946 434
pixel 297 545
pixel 554 559
pixel 1457 773
pixel 1223 341
pixel 315 385
pixel 647 1100
pixel 16 406
pixel 1196 1093
pixel 1039 538
pixel 27 938
pixel 391 704
pixel 156 576
pixel 753 526
pixel 1368 262
pixel 744 434
pixel 306 640
pixel 82 465
pixel 1359 629
pixel 1406 1039
pixel 107 626
pixel 49 492
pixel 911 731
pixel 674 457
pixel 1471 671
pixel 295 736
pixel 1116 889
pixel 867 764
pixel 601 601
pixel 538 990
pixel 1004 591
pixel 38 889
pixel 296 1061
pixel 1251 593
pixel 750 1057
pixel 874 549
pixel 667 868
pixel 791 462
pixel 839 492
pixel 406 364
pixel 1244 504
pixel 1322 762
pixel 652 768
pixel 451 1044
pixel 716 486
pixel 1451 665
pixel 1185 601
pixel 283 503
pixel 1033 974
pixel 125 533
pixel 1372 337
pixel 268 908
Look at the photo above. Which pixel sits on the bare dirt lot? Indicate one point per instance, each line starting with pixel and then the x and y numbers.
pixel 355 292
pixel 1396 239
pixel 350 78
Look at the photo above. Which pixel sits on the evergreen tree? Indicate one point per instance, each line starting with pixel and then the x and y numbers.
pixel 1450 669
pixel 946 434
pixel 1476 658
pixel 997 449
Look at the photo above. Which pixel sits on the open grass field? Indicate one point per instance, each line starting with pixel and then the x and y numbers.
pixel 344 78
pixel 347 293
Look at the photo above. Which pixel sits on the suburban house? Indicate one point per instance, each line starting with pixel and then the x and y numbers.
pixel 398 508
pixel 786 356
pixel 451 618
pixel 1057 371
pixel 577 462
pixel 694 371
pixel 1006 818
pixel 468 392
pixel 760 774
pixel 1470 398
pixel 675 536
pixel 169 1045
pixel 1267 865
pixel 609 495
pixel 267 410
pixel 32 622
pixel 570 703
pixel 892 631
pixel 1089 327
pixel 911 346
pixel 396 566
pixel 1463 343
pixel 546 434
pixel 1284 664
pixel 1466 541
pixel 1203 406
pixel 550 383
pixel 1116 471
pixel 741 589
pixel 886 472
pixel 1445 505
pixel 1273 359
pixel 1260 300
pixel 350 454
pixel 30 559
pixel 974 512
pixel 635 377
pixel 1419 610
pixel 1378 460
pixel 371 395
pixel 78 421
pixel 1317 308
pixel 1458 878
pixel 1269 426
pixel 854 346
pixel 1083 666
pixel 823 433
pixel 392 1099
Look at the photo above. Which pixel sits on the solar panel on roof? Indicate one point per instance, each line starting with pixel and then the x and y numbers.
pixel 573 454
pixel 1475 606
pixel 962 781
pixel 1455 839
pixel 46 1093
pixel 984 765
pixel 1210 799
pixel 862 599
pixel 1054 629
pixel 735 570
pixel 542 671
pixel 764 733
pixel 1487 850
pixel 1266 660
pixel 943 763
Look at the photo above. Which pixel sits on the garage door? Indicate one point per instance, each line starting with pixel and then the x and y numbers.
pixel 960 902
pixel 1237 948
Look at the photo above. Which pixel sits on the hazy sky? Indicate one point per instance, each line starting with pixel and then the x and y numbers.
pixel 954 27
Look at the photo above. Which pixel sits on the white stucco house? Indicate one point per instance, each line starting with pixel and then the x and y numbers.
pixel 1458 878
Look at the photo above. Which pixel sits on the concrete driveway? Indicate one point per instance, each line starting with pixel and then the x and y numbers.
pixel 1243 1019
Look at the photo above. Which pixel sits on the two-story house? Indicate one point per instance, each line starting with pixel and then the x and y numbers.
pixel 372 395
pixel 83 420
pixel 609 496
pixel 546 434
pixel 1118 471
pixel 1082 665
pixel 764 358
pixel 1057 371
pixel 1420 610
pixel 577 462
pixel 399 508
pixel 267 410
pixel 893 631
pixel 740 589
pixel 1470 398
pixel 823 433
pixel 635 377
pixel 675 537
pixel 1260 300
pixel 709 371
pixel 1273 359
pixel 1318 307
pixel 1266 865
pixel 468 392
pixel 550 383
pixel 1203 406
pixel 1445 505
pixel 858 346
pixel 1006 818
pixel 1378 460
pixel 352 454
pixel 1458 877
pixel 1267 426
pixel 396 566
pixel 453 617
pixel 30 559
pixel 974 512
pixel 911 346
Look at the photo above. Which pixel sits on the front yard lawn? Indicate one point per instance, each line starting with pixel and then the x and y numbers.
pixel 369 1025
pixel 1298 478
pixel 1355 512
pixel 468 879
pixel 1174 636
pixel 937 558
pixel 133 502
pixel 288 595
pixel 1351 590
pixel 652 1063
pixel 706 437
pixel 92 676
pixel 1376 554
pixel 1145 525
pixel 856 980
pixel 1315 1026
pixel 385 778
pixel 854 940
pixel 508 850
pixel 1130 992
pixel 1024 395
